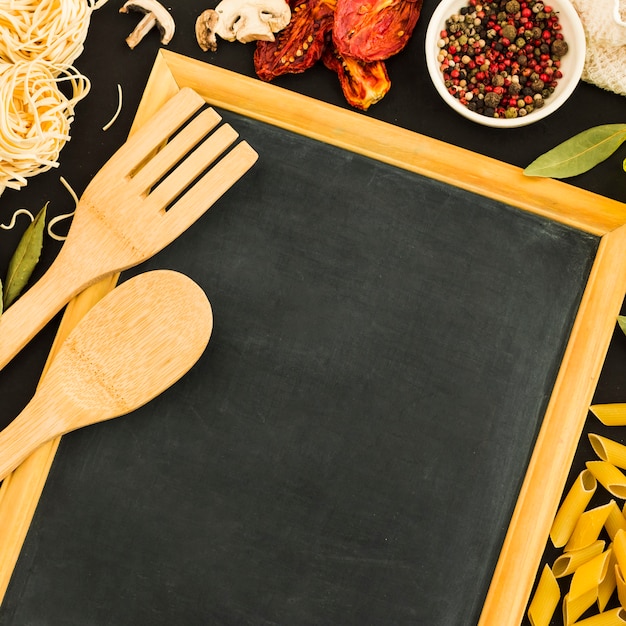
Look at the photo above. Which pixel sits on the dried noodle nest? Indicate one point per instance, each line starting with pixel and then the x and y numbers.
pixel 37 117
pixel 39 87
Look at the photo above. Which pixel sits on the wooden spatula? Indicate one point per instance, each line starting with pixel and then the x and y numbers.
pixel 141 200
pixel 131 346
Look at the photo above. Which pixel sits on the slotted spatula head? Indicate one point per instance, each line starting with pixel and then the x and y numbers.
pixel 161 180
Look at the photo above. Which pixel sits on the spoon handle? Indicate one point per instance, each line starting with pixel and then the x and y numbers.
pixel 64 279
pixel 31 428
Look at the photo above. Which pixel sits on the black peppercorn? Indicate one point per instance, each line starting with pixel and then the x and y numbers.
pixel 559 48
pixel 492 100
pixel 512 6
pixel 509 31
pixel 537 85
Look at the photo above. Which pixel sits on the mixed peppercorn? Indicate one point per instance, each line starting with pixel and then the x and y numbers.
pixel 502 58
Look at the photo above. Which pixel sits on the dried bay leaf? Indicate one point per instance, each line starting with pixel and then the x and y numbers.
pixel 579 153
pixel 24 259
pixel 621 320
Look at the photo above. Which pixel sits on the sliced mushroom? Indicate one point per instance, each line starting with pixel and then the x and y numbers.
pixel 242 20
pixel 205 30
pixel 155 14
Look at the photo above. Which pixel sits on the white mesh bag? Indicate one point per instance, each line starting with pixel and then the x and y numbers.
pixel 604 22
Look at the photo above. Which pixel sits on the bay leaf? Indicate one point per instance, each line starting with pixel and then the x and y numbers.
pixel 24 259
pixel 579 153
pixel 621 320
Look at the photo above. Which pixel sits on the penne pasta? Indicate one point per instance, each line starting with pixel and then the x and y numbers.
pixel 569 562
pixel 615 520
pixel 611 478
pixel 614 617
pixel 608 450
pixel 588 527
pixel 607 586
pixel 583 591
pixel 619 548
pixel 621 586
pixel 545 599
pixel 610 414
pixel 572 507
pixel 573 608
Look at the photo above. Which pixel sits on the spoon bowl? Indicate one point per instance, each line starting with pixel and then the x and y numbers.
pixel 131 346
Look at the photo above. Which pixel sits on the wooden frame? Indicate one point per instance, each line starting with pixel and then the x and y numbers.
pixel 567 410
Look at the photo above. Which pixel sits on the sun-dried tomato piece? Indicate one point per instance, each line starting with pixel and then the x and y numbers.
pixel 374 30
pixel 363 84
pixel 300 44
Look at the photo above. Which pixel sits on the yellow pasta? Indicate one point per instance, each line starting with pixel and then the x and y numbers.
pixel 583 591
pixel 614 617
pixel 569 562
pixel 39 41
pixel 615 520
pixel 572 507
pixel 609 450
pixel 545 599
pixel 48 30
pixel 610 414
pixel 588 527
pixel 606 588
pixel 621 585
pixel 37 117
pixel 619 548
pixel 611 478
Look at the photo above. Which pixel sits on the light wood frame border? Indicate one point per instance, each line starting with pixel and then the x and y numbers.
pixel 577 378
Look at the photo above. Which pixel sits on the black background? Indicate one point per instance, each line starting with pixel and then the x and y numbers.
pixel 412 103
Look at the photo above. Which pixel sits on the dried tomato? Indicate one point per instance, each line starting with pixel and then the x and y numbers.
pixel 300 44
pixel 374 30
pixel 363 84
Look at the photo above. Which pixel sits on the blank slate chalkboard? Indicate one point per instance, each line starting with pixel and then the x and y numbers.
pixel 350 447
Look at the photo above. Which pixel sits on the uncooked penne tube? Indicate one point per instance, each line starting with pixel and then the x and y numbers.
pixel 619 549
pixel 545 599
pixel 569 562
pixel 588 527
pixel 583 591
pixel 615 520
pixel 614 617
pixel 610 414
pixel 606 588
pixel 608 450
pixel 621 585
pixel 611 478
pixel 573 608
pixel 572 507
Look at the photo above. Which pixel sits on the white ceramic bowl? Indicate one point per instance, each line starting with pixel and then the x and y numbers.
pixel 571 63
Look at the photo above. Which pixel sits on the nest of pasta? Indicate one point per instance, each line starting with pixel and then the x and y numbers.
pixel 39 86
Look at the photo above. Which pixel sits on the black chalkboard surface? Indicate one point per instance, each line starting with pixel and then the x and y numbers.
pixel 350 448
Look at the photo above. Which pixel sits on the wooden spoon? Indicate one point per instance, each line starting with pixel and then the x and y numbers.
pixel 131 346
pixel 133 208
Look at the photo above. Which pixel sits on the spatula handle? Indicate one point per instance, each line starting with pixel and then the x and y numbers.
pixel 39 304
